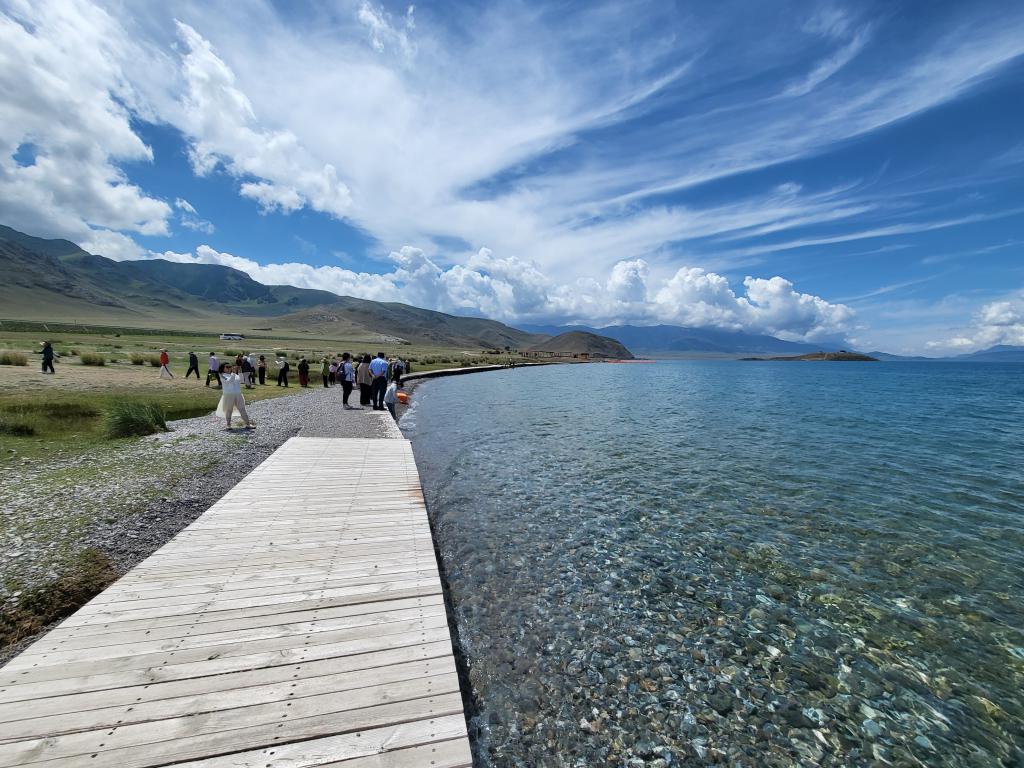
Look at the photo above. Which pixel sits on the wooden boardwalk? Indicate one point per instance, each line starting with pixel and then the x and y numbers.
pixel 298 622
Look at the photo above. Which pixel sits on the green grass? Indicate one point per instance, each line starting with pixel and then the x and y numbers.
pixel 16 428
pixel 93 358
pixel 7 357
pixel 134 418
pixel 138 359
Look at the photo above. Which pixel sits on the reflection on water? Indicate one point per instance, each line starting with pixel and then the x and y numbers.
pixel 746 563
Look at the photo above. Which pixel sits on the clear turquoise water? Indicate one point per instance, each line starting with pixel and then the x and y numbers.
pixel 752 563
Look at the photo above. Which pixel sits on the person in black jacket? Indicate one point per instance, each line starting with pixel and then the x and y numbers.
pixel 193 365
pixel 48 357
pixel 303 372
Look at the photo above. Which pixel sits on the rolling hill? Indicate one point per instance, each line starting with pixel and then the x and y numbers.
pixel 55 280
pixel 581 342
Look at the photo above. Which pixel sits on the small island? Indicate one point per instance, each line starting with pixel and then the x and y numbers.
pixel 842 356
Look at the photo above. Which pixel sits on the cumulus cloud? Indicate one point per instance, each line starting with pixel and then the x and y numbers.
pixel 514 290
pixel 998 322
pixel 67 97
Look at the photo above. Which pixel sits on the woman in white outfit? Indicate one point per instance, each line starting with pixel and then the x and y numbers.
pixel 232 397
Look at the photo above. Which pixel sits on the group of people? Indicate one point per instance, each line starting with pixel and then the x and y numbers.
pixel 378 379
pixel 250 369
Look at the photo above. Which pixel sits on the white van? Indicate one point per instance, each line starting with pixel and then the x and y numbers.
pixel 231 337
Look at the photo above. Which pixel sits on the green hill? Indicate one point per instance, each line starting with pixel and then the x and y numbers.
pixel 583 343
pixel 56 281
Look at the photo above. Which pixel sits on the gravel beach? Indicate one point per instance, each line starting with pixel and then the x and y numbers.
pixel 127 499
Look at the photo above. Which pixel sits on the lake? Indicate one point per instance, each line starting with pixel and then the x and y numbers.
pixel 753 563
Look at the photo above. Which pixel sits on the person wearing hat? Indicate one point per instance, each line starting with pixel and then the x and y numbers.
pixel 165 372
pixel 303 367
pixel 47 356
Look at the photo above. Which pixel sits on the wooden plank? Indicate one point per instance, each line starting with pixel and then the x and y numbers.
pixel 287 625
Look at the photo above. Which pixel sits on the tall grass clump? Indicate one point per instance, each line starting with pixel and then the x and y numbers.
pixel 138 359
pixel 131 418
pixel 7 357
pixel 154 360
pixel 16 428
pixel 93 358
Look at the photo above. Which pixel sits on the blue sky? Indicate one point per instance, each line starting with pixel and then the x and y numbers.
pixel 828 171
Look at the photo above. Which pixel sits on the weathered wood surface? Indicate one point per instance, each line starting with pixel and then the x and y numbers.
pixel 298 622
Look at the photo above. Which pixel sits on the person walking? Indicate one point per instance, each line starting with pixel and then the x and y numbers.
pixel 248 373
pixel 398 370
pixel 348 379
pixel 232 399
pixel 193 365
pixel 332 372
pixel 261 367
pixel 282 371
pixel 252 368
pixel 48 358
pixel 364 380
pixel 325 371
pixel 165 361
pixel 391 398
pixel 303 367
pixel 213 370
pixel 379 380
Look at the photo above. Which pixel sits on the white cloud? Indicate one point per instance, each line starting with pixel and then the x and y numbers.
pixel 66 93
pixel 997 322
pixel 190 219
pixel 510 289
pixel 225 130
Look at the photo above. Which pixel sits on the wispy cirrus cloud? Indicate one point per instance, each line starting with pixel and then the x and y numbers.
pixel 570 138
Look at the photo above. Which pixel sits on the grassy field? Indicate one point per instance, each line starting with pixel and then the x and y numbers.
pixel 42 415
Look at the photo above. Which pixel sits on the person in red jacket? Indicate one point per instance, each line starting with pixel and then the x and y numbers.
pixel 165 372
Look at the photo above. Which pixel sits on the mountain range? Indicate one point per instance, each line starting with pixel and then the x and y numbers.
pixel 51 280
pixel 55 280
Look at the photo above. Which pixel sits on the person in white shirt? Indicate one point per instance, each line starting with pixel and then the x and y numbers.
pixel 231 381
pixel 213 370
pixel 391 397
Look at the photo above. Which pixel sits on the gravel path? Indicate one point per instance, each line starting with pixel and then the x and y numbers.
pixel 129 498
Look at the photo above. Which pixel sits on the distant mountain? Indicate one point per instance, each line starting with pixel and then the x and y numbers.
pixel 680 341
pixel 55 280
pixel 1000 353
pixel 812 357
pixel 582 342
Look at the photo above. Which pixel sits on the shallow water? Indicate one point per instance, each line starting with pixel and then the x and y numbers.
pixel 746 563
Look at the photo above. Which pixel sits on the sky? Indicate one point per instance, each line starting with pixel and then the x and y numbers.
pixel 834 172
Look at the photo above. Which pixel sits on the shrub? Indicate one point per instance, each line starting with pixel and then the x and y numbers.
pixel 231 352
pixel 132 418
pixel 73 353
pixel 113 359
pixel 13 358
pixel 138 359
pixel 93 358
pixel 281 353
pixel 16 428
pixel 154 360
